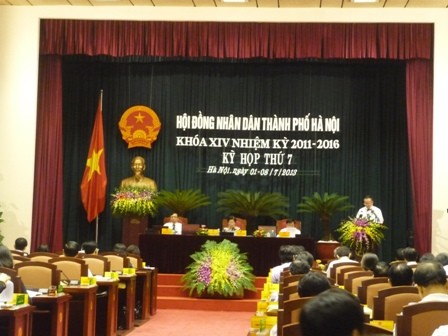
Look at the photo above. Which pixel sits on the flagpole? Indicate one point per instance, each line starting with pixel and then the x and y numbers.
pixel 96 229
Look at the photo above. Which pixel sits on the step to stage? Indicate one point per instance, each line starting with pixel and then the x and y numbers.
pixel 171 295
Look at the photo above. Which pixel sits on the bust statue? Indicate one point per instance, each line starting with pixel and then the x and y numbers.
pixel 138 167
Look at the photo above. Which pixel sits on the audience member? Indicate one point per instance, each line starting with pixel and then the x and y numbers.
pixel 381 269
pixel 312 284
pixel 6 259
pixel 369 261
pixel 334 312
pixel 71 249
pixel 306 256
pixel 428 256
pixel 90 247
pixel 410 255
pixel 20 245
pixel 290 228
pixel 400 274
pixel 133 249
pixel 43 248
pixel 286 254
pixel 430 278
pixel 299 266
pixel 342 254
pixel 120 249
pixel 443 259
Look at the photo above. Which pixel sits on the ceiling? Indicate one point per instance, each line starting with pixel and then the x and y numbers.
pixel 249 3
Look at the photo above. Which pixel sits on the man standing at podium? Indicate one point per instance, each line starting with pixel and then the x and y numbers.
pixel 370 212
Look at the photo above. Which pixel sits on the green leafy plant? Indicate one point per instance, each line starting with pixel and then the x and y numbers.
pixel 219 268
pixel 133 201
pixel 182 201
pixel 325 207
pixel 361 234
pixel 251 205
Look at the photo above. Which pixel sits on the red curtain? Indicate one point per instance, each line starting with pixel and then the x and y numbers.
pixel 48 198
pixel 219 40
pixel 419 79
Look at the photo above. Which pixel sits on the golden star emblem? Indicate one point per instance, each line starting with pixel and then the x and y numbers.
pixel 139 117
pixel 93 163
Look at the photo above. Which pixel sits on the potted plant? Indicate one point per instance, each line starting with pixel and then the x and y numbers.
pixel 252 205
pixel 219 269
pixel 182 201
pixel 133 201
pixel 361 235
pixel 325 207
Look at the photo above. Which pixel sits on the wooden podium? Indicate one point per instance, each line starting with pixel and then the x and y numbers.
pixel 132 227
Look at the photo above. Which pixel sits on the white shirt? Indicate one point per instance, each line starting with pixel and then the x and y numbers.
pixel 277 270
pixel 441 331
pixel 337 261
pixel 374 214
pixel 292 231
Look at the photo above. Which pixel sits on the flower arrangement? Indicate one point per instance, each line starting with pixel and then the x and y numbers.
pixel 361 234
pixel 219 268
pixel 202 231
pixel 260 233
pixel 133 201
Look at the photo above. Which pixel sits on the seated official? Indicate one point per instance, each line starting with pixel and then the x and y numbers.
pixel 174 224
pixel 231 225
pixel 290 228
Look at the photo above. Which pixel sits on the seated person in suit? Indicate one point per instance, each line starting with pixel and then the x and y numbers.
pixel 71 249
pixel 90 247
pixel 430 278
pixel 334 312
pixel 299 266
pixel 290 228
pixel 231 225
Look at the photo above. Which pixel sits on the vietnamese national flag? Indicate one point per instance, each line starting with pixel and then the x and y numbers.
pixel 94 180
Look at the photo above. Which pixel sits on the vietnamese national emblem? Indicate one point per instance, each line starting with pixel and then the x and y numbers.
pixel 139 126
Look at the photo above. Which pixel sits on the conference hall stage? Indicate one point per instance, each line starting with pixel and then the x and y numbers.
pixel 171 253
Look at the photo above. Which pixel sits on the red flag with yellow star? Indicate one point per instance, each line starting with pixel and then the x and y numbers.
pixel 94 180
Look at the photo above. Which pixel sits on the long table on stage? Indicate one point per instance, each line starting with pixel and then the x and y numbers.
pixel 171 253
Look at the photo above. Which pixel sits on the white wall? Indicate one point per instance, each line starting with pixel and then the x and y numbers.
pixel 19 34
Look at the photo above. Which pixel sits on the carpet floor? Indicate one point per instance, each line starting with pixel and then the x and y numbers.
pixel 175 322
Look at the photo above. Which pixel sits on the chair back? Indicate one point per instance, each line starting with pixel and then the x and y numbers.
pixel 190 229
pixel 42 256
pixel 390 301
pixel 373 290
pixel 281 224
pixel 421 319
pixel 292 329
pixel 291 309
pixel 135 260
pixel 356 283
pixel 341 271
pixel 362 290
pixel 16 259
pixel 287 280
pixel 288 293
pixel 15 278
pixel 38 274
pixel 240 222
pixel 71 268
pixel 183 220
pixel 370 329
pixel 117 262
pixel 97 264
pixel 350 276
pixel 334 268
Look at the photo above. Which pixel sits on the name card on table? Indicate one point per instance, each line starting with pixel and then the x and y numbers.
pixel 240 233
pixel 167 231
